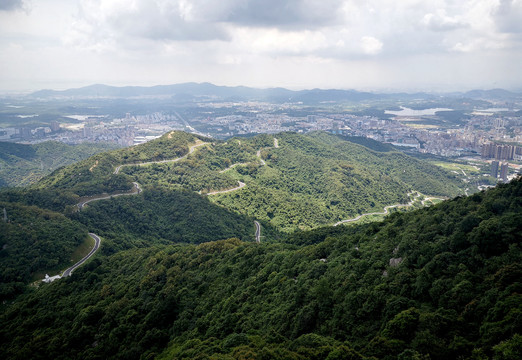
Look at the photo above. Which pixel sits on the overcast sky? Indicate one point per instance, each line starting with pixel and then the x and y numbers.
pixel 375 45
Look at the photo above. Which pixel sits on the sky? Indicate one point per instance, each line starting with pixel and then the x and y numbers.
pixel 371 45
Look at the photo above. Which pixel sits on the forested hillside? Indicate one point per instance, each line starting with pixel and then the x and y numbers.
pixel 163 217
pixel 33 240
pixel 319 179
pixel 22 165
pixel 304 182
pixel 96 174
pixel 441 283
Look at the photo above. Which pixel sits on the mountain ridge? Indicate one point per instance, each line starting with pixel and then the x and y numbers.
pixel 280 184
pixel 192 90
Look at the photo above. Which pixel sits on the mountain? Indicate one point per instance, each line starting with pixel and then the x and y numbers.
pixel 442 282
pixel 22 165
pixel 199 91
pixel 183 272
pixel 189 92
pixel 493 94
pixel 306 181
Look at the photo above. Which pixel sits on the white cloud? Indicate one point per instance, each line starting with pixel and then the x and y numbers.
pixel 508 16
pixel 371 45
pixel 183 40
pixel 441 22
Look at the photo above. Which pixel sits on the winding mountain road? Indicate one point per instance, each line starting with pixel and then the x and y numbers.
pixel 258 154
pixel 258 231
pixel 241 185
pixel 385 212
pixel 231 167
pixel 135 191
pixel 191 150
pixel 97 242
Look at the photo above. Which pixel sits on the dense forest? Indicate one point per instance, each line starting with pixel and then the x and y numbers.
pixel 33 240
pixel 436 283
pixel 319 179
pixel 180 275
pixel 162 217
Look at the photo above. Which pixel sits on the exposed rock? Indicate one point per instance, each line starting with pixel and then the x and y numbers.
pixel 394 262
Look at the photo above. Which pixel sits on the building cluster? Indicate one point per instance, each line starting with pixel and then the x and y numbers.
pixel 469 139
pixel 501 152
pixel 126 131
pixel 491 135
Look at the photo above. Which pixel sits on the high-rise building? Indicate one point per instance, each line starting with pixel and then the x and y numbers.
pixel 494 169
pixel 504 169
pixel 26 133
pixel 55 126
pixel 498 152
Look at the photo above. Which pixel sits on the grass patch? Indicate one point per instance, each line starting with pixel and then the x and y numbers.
pixel 469 169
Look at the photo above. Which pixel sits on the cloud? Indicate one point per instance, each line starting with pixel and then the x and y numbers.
pixel 292 14
pixel 508 16
pixel 9 5
pixel 441 22
pixel 232 41
pixel 102 22
pixel 371 45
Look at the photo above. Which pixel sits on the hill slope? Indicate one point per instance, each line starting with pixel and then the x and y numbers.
pixel 442 282
pixel 307 181
pixel 319 179
pixel 23 165
pixel 34 240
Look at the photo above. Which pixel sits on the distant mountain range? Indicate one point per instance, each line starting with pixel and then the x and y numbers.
pixel 193 91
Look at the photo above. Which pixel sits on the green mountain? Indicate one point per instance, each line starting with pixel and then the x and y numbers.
pixel 442 282
pixel 319 179
pixel 306 181
pixel 22 165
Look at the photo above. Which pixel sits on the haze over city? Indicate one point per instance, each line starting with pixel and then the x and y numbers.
pixel 372 45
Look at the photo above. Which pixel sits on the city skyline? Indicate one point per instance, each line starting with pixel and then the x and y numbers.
pixel 298 44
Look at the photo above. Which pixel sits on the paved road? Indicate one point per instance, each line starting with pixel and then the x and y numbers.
pixel 97 241
pixel 241 185
pixel 276 145
pixel 187 125
pixel 135 191
pixel 258 231
pixel 231 167
pixel 191 150
pixel 258 154
pixel 385 212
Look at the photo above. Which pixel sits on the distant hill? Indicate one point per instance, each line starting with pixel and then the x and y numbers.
pixel 493 94
pixel 22 165
pixel 193 91
pixel 187 92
